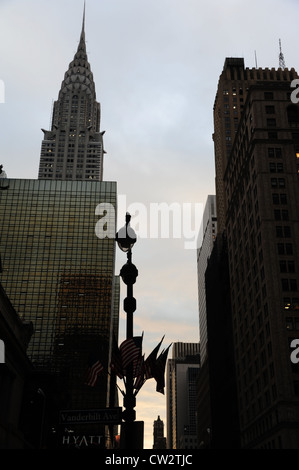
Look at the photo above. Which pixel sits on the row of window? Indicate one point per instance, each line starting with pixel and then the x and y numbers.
pixel 276 167
pixel 291 303
pixel 292 324
pixel 281 214
pixel 278 183
pixel 285 266
pixel 289 285
pixel 280 198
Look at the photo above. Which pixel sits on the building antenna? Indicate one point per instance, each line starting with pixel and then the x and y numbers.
pixel 282 64
pixel 255 59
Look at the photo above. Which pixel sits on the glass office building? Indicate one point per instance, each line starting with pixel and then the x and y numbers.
pixel 60 275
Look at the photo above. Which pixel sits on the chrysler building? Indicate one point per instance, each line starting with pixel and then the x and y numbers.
pixel 73 148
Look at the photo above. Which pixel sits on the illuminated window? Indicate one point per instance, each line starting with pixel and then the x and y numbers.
pixel 287 303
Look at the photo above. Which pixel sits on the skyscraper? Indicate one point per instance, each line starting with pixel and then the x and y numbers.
pixel 234 83
pixel 257 190
pixel 182 372
pixel 73 148
pixel 208 230
pixel 56 271
pixel 159 439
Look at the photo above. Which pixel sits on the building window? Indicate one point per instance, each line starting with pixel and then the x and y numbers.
pixel 280 248
pixel 275 152
pixel 286 303
pixel 281 214
pixel 285 214
pixel 272 167
pixel 287 231
pixel 268 95
pixel 275 198
pixel 275 167
pixel 293 114
pixel 291 266
pixel 283 266
pixel 289 285
pixel 281 182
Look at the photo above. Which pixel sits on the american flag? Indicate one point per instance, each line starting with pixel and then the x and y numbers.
pixel 139 373
pixel 116 361
pixel 130 350
pixel 150 361
pixel 94 370
pixel 159 371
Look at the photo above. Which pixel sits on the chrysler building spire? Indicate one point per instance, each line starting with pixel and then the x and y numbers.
pixel 73 148
pixel 82 37
pixel 83 22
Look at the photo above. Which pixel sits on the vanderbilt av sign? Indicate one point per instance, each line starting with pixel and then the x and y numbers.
pixel 105 416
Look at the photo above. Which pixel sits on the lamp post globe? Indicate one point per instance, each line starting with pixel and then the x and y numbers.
pixel 126 237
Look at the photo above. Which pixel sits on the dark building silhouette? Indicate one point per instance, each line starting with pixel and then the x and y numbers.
pixel 208 231
pixel 15 375
pixel 181 393
pixel 159 439
pixel 256 136
pixel 223 432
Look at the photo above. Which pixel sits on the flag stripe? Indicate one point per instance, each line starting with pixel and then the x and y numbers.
pixel 130 349
pixel 93 373
pixel 116 361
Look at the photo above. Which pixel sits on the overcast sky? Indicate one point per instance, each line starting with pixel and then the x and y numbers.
pixel 156 66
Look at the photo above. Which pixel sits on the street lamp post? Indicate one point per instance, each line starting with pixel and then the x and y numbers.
pixel 126 238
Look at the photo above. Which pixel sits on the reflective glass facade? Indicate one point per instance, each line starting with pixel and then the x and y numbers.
pixel 60 276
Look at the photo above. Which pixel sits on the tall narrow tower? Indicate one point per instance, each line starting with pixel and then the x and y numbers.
pixel 159 439
pixel 73 148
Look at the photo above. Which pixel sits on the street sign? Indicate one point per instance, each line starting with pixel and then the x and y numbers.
pixel 104 416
